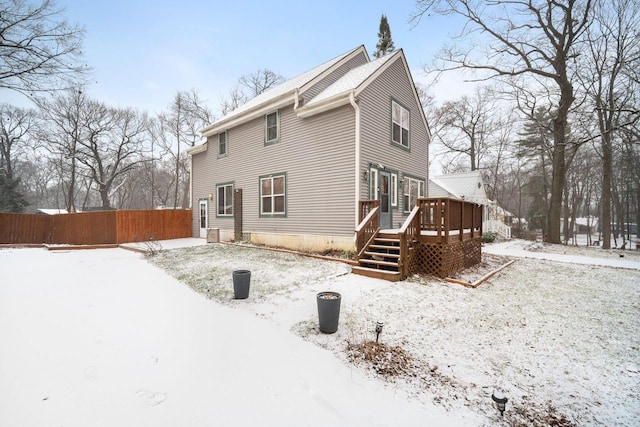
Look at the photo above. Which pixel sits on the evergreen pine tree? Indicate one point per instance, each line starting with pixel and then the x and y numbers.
pixel 10 199
pixel 385 43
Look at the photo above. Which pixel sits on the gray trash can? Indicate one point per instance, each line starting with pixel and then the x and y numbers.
pixel 241 282
pixel 328 311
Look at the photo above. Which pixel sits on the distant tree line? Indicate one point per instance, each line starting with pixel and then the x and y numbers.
pixel 556 133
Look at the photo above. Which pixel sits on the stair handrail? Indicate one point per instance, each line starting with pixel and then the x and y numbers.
pixel 367 230
pixel 409 232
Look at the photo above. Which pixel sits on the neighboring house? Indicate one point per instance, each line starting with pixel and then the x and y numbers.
pixel 52 211
pixel 289 167
pixel 469 186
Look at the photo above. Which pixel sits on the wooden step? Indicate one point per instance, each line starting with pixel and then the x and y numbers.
pixel 382 255
pixel 376 262
pixel 384 247
pixel 392 276
pixel 395 242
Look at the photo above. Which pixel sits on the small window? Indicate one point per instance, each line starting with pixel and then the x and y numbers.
pixel 222 144
pixel 399 124
pixel 273 195
pixel 373 184
pixel 272 128
pixel 225 200
pixel 412 190
pixel 394 190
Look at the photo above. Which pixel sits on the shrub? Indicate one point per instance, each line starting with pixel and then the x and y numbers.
pixel 488 237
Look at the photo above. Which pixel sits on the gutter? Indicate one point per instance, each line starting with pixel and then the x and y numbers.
pixel 250 114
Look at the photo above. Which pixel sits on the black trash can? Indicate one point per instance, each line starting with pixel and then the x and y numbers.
pixel 241 281
pixel 328 311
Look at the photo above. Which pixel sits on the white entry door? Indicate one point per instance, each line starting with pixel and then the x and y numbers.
pixel 204 218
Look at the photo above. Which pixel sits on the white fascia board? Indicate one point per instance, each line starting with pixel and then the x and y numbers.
pixel 328 104
pixel 197 149
pixel 260 110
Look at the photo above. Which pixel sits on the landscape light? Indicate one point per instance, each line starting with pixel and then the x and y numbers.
pixel 501 401
pixel 379 326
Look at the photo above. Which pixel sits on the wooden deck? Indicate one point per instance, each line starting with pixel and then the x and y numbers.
pixel 439 237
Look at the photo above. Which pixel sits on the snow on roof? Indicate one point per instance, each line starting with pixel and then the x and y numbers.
pixel 52 211
pixel 467 185
pixel 284 88
pixel 352 79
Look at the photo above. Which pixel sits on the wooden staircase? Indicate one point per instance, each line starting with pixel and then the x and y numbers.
pixel 381 260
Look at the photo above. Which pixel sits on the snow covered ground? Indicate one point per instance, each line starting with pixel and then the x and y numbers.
pixel 102 337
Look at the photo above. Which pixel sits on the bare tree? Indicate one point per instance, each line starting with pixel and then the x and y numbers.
pixel 39 50
pixel 15 127
pixel 260 81
pixel 60 134
pixel 187 114
pixel 523 38
pixel 249 86
pixel 614 57
pixel 112 146
pixel 467 127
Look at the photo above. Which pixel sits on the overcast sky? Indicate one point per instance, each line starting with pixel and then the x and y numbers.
pixel 143 52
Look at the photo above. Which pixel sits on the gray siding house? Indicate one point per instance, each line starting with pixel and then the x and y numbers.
pixel 305 153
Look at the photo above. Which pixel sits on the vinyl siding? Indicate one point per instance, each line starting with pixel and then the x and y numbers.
pixel 376 146
pixel 316 153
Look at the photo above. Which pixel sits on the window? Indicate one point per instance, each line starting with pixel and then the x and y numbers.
pixel 273 195
pixel 413 189
pixel 399 124
pixel 394 190
pixel 271 127
pixel 373 184
pixel 225 200
pixel 222 144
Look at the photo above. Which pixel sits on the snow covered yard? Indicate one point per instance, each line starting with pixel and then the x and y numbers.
pixel 559 339
pixel 103 338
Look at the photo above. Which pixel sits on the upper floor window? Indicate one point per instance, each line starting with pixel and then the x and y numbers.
pixel 413 189
pixel 272 127
pixel 222 144
pixel 399 124
pixel 273 193
pixel 225 199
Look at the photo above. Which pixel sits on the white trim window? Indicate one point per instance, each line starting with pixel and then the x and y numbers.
pixel 399 124
pixel 225 200
pixel 394 190
pixel 272 127
pixel 222 144
pixel 373 184
pixel 273 195
pixel 412 190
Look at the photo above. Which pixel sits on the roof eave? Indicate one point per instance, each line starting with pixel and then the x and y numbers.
pixel 335 101
pixel 257 111
pixel 200 148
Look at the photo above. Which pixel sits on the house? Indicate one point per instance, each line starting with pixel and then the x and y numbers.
pixel 470 187
pixel 290 167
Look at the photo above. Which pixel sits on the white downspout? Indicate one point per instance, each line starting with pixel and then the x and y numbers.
pixel 295 100
pixel 352 100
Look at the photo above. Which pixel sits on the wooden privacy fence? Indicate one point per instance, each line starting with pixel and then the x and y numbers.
pixel 95 228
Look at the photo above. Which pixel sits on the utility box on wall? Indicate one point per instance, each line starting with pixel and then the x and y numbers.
pixel 213 235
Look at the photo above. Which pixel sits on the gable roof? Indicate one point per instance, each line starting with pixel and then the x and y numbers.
pixel 284 90
pixel 339 93
pixel 467 185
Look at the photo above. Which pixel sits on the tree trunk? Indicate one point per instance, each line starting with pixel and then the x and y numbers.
pixel 606 190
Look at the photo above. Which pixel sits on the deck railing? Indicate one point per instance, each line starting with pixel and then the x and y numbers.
pixel 409 235
pixel 443 219
pixel 368 225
